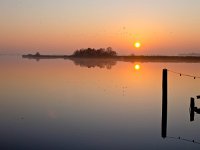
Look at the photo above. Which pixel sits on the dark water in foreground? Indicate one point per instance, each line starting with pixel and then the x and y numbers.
pixel 61 104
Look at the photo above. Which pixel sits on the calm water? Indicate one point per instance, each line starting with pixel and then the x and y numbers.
pixel 105 105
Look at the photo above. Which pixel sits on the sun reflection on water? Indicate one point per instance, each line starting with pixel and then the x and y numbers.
pixel 137 67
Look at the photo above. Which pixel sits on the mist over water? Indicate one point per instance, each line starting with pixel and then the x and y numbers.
pixel 102 104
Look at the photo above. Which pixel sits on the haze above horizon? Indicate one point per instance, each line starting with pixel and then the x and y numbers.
pixel 61 26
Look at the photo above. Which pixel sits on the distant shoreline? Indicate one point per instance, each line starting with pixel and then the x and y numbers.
pixel 191 59
pixel 31 56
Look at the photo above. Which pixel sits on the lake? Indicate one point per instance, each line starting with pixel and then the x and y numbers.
pixel 96 104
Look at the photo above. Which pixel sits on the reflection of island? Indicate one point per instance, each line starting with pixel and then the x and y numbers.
pixel 92 63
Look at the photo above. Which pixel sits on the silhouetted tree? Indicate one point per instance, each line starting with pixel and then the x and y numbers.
pixel 37 54
pixel 91 52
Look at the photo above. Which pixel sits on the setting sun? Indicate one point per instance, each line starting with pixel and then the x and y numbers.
pixel 137 44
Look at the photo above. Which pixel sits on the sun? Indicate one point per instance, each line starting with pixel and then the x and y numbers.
pixel 137 44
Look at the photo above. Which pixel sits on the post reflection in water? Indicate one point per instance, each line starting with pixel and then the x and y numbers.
pixel 164 121
pixel 193 108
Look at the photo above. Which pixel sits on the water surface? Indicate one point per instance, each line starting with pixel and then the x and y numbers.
pixel 64 104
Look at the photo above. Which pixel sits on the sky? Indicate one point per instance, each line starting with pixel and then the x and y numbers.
pixel 61 26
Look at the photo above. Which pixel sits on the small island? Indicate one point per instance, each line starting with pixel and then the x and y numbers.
pixel 109 53
pixel 39 56
pixel 82 53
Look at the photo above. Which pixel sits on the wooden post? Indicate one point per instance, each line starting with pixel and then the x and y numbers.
pixel 164 104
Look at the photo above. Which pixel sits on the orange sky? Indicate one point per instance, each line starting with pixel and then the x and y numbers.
pixel 167 27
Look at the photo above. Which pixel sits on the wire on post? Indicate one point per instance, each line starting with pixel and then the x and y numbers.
pixel 182 74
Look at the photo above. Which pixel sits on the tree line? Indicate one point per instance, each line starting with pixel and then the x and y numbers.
pixel 91 52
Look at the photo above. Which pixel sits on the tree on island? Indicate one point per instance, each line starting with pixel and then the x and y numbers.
pixel 91 52
pixel 37 54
